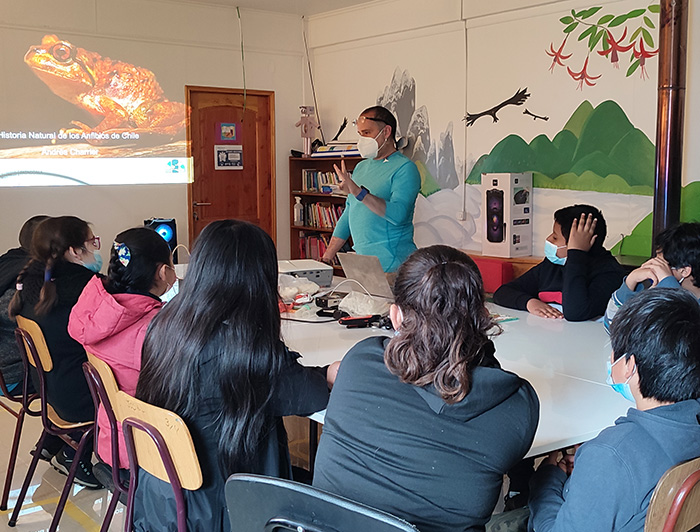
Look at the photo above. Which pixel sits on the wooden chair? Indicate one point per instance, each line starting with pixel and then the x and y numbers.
pixel 265 504
pixel 675 504
pixel 17 406
pixel 34 349
pixel 104 388
pixel 159 442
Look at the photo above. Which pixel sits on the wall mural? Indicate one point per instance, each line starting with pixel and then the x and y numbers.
pixel 442 192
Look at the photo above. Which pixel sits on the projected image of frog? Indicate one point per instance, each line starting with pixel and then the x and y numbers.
pixel 127 98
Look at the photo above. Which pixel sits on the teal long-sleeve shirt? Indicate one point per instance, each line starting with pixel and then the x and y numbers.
pixel 396 180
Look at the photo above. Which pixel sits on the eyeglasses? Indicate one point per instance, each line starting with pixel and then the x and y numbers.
pixel 95 241
pixel 361 120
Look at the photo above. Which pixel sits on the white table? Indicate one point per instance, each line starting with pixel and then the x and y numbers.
pixel 564 362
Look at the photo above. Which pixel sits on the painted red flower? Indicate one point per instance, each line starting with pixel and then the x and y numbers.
pixel 583 76
pixel 557 55
pixel 616 48
pixel 642 55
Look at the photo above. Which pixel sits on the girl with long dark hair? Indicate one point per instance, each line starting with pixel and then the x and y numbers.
pixel 112 314
pixel 64 257
pixel 214 356
pixel 444 422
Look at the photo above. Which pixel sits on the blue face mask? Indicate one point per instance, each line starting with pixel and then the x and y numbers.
pixel 622 388
pixel 550 251
pixel 94 266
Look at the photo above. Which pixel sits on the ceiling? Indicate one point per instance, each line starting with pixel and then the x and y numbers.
pixel 297 7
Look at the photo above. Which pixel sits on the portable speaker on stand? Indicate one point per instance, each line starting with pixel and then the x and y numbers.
pixel 167 228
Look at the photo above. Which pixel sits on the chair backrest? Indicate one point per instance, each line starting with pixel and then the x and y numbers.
pixel 103 388
pixel 675 504
pixel 42 350
pixel 173 431
pixel 256 504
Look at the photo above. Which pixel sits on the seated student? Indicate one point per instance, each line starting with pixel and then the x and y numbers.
pixel 674 266
pixel 11 263
pixel 425 424
pixel 111 316
pixel 63 260
pixel 578 273
pixel 656 365
pixel 214 356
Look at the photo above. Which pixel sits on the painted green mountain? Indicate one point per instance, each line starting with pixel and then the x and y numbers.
pixel 598 149
pixel 638 243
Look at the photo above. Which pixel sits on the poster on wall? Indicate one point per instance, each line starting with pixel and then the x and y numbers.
pixel 228 157
pixel 227 132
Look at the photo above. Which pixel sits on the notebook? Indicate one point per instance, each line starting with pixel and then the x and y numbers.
pixel 366 269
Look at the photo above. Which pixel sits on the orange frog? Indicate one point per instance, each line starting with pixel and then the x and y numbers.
pixel 127 97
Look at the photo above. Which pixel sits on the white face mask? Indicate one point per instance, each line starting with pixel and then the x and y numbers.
pixel 368 146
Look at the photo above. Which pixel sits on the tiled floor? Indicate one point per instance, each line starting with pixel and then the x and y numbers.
pixel 84 507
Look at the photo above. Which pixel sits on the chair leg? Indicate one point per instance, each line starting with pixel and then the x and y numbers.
pixel 13 460
pixel 69 482
pixel 27 480
pixel 110 511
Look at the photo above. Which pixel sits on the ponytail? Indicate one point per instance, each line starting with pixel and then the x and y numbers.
pixel 47 296
pixel 15 306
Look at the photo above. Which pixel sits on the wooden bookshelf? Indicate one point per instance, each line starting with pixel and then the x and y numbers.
pixel 305 237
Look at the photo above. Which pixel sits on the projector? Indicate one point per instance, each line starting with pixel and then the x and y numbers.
pixel 318 272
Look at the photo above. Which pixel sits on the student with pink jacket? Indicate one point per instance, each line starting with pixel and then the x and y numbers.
pixel 112 314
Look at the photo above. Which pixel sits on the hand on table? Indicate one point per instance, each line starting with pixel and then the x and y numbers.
pixel 582 234
pixel 347 185
pixel 565 463
pixel 540 308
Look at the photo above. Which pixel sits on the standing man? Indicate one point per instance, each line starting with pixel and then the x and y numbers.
pixel 382 194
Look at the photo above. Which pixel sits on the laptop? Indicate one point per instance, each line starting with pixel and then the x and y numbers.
pixel 367 270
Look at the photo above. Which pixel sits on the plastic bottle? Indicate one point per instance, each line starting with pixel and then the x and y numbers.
pixel 298 211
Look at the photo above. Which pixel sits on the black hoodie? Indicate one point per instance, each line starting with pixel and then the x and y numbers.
pixel 402 449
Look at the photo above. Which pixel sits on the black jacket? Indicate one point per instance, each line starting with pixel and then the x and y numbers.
pixel 583 285
pixel 67 388
pixel 11 263
pixel 402 449
pixel 299 391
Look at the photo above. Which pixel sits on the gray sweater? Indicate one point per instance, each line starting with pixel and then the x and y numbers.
pixel 615 473
pixel 402 449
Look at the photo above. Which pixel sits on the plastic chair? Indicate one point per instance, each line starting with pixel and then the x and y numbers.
pixel 17 406
pixel 159 442
pixel 675 504
pixel 256 503
pixel 34 349
pixel 104 388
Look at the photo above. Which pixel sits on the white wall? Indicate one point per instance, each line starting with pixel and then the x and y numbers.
pixel 184 43
pixel 469 55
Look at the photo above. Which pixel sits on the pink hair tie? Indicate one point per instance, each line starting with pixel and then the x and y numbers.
pixel 19 286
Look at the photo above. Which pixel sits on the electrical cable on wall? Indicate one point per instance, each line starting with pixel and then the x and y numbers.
pixel 311 78
pixel 240 31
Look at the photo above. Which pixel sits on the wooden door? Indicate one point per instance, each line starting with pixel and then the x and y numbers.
pixel 232 143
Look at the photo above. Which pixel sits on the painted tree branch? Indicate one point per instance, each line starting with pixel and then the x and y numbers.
pixel 517 99
pixel 534 116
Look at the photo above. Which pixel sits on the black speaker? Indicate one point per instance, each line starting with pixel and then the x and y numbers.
pixel 167 228
pixel 494 213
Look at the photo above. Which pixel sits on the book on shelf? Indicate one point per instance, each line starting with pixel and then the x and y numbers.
pixel 346 149
pixel 313 246
pixel 321 215
pixel 323 182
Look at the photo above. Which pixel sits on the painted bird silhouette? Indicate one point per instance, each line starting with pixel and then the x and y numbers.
pixel 517 99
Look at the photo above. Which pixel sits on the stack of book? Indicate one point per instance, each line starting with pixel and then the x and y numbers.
pixel 335 149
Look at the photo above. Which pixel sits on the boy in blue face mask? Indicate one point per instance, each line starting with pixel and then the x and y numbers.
pixel 578 274
pixel 655 363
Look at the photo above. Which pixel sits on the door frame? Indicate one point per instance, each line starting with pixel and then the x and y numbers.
pixel 270 96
